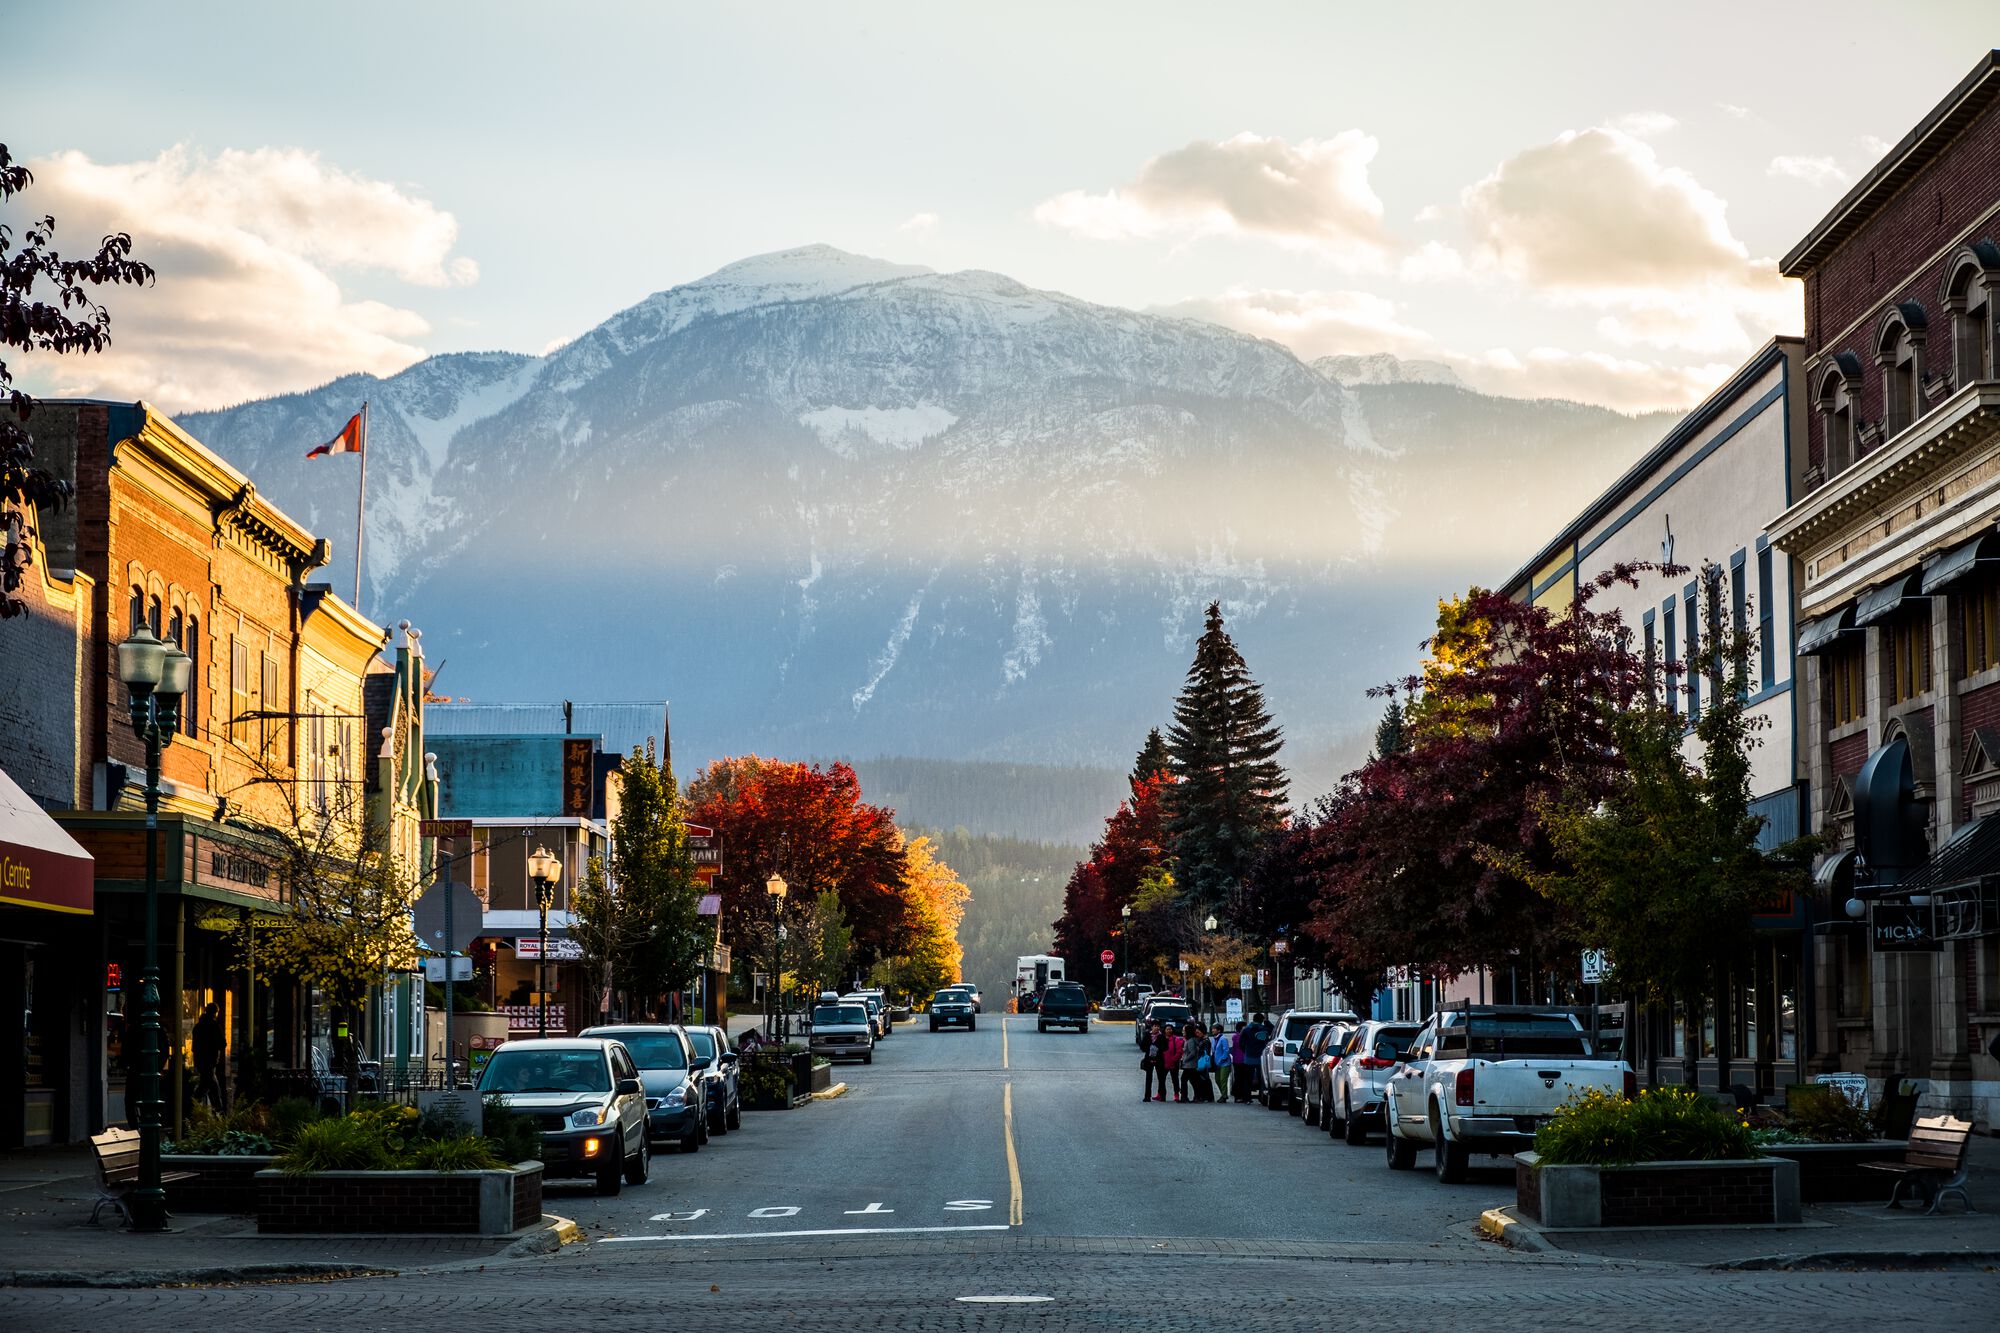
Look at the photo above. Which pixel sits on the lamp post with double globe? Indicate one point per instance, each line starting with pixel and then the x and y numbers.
pixel 156 673
pixel 776 886
pixel 545 870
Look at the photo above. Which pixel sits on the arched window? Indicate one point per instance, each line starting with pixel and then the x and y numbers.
pixel 135 614
pixel 1836 401
pixel 1899 351
pixel 153 614
pixel 1970 286
pixel 174 627
pixel 191 701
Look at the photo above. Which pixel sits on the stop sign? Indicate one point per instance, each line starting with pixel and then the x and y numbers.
pixel 1107 957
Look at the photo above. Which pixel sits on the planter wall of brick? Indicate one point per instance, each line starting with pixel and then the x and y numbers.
pixel 1656 1194
pixel 1832 1173
pixel 220 1184
pixel 473 1203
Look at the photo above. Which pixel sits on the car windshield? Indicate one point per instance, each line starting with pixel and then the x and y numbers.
pixel 1527 1035
pixel 1393 1045
pixel 839 1013
pixel 950 997
pixel 546 1071
pixel 703 1043
pixel 655 1050
pixel 1296 1027
pixel 1169 1013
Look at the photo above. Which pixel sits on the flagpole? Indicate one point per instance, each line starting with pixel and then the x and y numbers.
pixel 361 506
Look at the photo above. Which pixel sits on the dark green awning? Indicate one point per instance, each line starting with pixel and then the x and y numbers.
pixel 1881 603
pixel 1958 561
pixel 1816 636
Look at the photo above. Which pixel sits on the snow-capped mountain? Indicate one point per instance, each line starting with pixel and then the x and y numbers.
pixel 827 504
pixel 1382 368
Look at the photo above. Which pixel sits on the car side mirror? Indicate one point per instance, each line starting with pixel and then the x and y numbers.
pixel 730 1057
pixel 700 1062
pixel 628 1087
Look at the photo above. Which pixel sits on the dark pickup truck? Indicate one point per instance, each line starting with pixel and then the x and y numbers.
pixel 1064 1005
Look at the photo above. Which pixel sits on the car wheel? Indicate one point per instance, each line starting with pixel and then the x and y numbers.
pixel 972 1025
pixel 640 1167
pixel 735 1117
pixel 1452 1158
pixel 934 1025
pixel 691 1141
pixel 1041 1027
pixel 1352 1129
pixel 1401 1152
pixel 1294 1104
pixel 610 1177
pixel 868 1059
pixel 719 1125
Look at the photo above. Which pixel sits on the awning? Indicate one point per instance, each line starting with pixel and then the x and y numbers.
pixel 40 864
pixel 1881 603
pixel 1960 560
pixel 1969 855
pixel 1816 636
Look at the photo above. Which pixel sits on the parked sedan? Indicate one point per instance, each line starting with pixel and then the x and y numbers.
pixel 841 1031
pixel 1314 1071
pixel 719 1069
pixel 676 1110
pixel 1362 1077
pixel 587 1098
pixel 953 1007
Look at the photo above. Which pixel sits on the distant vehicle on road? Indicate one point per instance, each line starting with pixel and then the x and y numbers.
pixel 1312 1070
pixel 972 993
pixel 1362 1076
pixel 841 1030
pixel 587 1098
pixel 722 1070
pixel 878 1005
pixel 1033 974
pixel 1283 1048
pixel 1169 1009
pixel 676 1104
pixel 1483 1079
pixel 878 1015
pixel 952 1007
pixel 1064 1005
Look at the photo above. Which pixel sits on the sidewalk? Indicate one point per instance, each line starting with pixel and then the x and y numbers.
pixel 45 1202
pixel 1831 1235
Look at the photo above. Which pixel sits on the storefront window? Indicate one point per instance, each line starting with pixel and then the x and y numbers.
pixel 1677 1031
pixel 34 1019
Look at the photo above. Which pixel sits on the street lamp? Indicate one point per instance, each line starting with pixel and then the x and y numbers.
pixel 544 869
pixel 1124 948
pixel 156 673
pixel 775 886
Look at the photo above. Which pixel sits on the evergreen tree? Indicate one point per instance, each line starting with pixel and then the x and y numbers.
pixel 1229 791
pixel 1153 758
pixel 1392 736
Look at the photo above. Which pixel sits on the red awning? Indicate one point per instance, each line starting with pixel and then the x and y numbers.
pixel 40 864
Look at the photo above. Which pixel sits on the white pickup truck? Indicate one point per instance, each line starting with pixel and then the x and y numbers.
pixel 1483 1078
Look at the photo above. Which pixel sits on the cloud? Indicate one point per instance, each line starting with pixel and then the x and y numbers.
pixel 1733 111
pixel 1595 218
pixel 1311 195
pixel 247 246
pixel 1815 171
pixel 919 224
pixel 1591 377
pixel 1311 323
pixel 1644 124
pixel 1874 147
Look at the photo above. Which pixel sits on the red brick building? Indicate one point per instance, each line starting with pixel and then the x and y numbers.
pixel 1896 551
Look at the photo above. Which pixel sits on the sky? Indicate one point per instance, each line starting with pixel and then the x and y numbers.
pixel 1570 200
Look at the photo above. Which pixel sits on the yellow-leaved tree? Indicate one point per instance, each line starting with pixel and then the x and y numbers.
pixel 935 898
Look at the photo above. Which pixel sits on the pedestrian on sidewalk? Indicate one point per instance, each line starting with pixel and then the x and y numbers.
pixel 208 1046
pixel 1195 1064
pixel 1176 1045
pixel 1152 1059
pixel 1244 1065
pixel 1221 1050
pixel 1256 1037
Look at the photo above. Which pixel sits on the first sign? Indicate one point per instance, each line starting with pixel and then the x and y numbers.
pixel 444 828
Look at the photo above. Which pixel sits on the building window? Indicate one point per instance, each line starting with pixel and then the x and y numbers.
pixel 272 732
pixel 174 630
pixel 1899 352
pixel 1767 655
pixel 135 611
pixel 239 691
pixel 315 765
pixel 1910 653
pixel 153 615
pixel 1969 299
pixel 1673 678
pixel 1651 636
pixel 1694 663
pixel 191 702
pixel 1836 409
pixel 1846 690
pixel 1979 623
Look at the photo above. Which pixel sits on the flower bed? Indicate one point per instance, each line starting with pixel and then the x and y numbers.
pixel 479 1203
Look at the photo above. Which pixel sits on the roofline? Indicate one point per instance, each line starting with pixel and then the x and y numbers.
pixel 1703 415
pixel 1900 162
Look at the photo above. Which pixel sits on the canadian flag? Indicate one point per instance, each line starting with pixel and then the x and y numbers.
pixel 347 442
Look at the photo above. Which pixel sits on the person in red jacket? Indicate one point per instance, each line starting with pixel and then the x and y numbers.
pixel 1176 1046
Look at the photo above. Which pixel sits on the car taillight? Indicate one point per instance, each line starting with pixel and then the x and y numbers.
pixel 1631 1086
pixel 1462 1087
pixel 1376 1062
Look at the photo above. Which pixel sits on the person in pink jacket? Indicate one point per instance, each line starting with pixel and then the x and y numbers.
pixel 1175 1045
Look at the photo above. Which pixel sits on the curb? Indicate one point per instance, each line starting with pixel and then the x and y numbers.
pixel 193 1277
pixel 1501 1225
pixel 1881 1259
pixel 554 1233
pixel 828 1094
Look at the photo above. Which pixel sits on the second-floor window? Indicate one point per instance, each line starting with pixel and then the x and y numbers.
pixel 1846 687
pixel 1979 622
pixel 1836 410
pixel 1969 298
pixel 1767 660
pixel 1899 355
pixel 241 699
pixel 1910 653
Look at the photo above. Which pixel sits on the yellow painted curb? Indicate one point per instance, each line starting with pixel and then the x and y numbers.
pixel 567 1232
pixel 828 1094
pixel 1493 1222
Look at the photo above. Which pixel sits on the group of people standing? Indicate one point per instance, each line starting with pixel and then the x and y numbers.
pixel 1203 1064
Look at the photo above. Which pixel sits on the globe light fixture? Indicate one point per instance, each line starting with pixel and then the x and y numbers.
pixel 545 870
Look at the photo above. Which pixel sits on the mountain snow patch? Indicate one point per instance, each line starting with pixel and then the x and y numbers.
pixel 849 431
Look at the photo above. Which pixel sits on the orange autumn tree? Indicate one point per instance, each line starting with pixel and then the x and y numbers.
pixel 937 899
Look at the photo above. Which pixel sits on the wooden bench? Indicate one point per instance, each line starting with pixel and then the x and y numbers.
pixel 117 1155
pixel 1933 1164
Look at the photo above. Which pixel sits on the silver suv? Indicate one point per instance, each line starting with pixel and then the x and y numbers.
pixel 1362 1077
pixel 586 1096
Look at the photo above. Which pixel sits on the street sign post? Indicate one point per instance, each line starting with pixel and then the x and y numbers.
pixel 1107 958
pixel 444 828
pixel 1232 1010
pixel 1595 966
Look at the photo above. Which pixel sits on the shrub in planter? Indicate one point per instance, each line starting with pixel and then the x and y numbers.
pixel 1825 1116
pixel 514 1134
pixel 1664 1124
pixel 464 1153
pixel 768 1083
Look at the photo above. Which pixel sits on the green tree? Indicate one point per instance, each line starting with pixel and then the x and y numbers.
pixel 1392 735
pixel 1153 759
pixel 1664 871
pixel 824 942
pixel 642 931
pixel 1229 790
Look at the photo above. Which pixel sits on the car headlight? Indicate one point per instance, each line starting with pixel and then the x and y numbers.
pixel 584 1117
pixel 675 1097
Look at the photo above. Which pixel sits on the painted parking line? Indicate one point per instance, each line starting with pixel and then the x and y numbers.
pixel 785 1235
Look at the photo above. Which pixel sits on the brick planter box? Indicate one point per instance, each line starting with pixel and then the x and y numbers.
pixel 1831 1172
pixel 821 1080
pixel 220 1184
pixel 1657 1194
pixel 473 1203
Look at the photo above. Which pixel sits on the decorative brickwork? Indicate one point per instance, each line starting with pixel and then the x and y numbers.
pixel 1677 1196
pixel 400 1202
pixel 1978 709
pixel 220 1184
pixel 1849 753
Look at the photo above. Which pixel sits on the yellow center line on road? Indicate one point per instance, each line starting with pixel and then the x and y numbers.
pixel 1003 1043
pixel 1013 1162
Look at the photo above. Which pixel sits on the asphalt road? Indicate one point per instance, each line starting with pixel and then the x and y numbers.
pixel 964 1173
